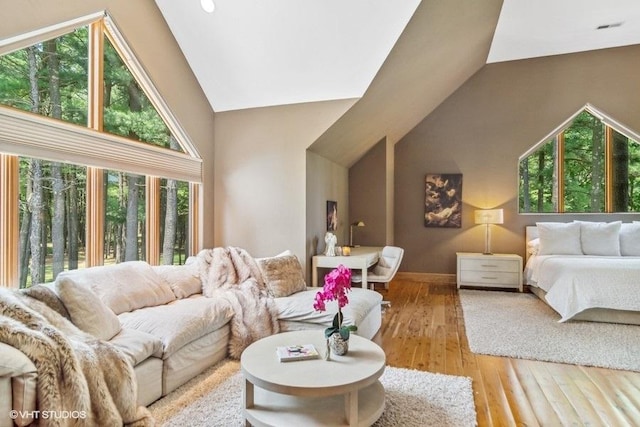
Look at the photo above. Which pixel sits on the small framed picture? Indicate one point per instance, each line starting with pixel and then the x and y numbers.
pixel 443 200
pixel 332 215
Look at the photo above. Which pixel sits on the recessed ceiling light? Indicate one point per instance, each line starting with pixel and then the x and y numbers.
pixel 207 5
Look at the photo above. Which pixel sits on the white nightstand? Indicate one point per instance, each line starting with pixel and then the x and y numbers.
pixel 489 271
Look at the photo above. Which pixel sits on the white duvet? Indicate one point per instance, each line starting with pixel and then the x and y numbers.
pixel 576 283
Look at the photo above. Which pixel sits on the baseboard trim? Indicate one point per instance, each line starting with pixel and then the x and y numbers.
pixel 436 278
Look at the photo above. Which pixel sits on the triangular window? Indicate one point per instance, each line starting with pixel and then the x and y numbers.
pixel 51 78
pixel 127 109
pixel 591 163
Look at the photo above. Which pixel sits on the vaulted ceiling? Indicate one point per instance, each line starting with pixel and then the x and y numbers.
pixel 256 53
pixel 529 29
pixel 399 59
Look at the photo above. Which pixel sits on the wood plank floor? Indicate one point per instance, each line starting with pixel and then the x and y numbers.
pixel 424 329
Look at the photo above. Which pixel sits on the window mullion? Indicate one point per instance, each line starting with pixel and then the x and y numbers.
pixel 152 220
pixel 195 206
pixel 95 217
pixel 560 171
pixel 95 176
pixel 608 169
pixel 9 219
pixel 96 77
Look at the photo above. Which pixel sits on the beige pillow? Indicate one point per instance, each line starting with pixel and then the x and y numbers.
pixel 282 275
pixel 86 310
pixel 126 286
pixel 184 280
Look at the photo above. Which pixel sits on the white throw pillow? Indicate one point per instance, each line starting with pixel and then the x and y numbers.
pixel 533 246
pixel 559 238
pixel 86 310
pixel 184 280
pixel 600 238
pixel 126 286
pixel 630 239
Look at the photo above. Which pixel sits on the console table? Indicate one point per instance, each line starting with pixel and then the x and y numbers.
pixel 361 258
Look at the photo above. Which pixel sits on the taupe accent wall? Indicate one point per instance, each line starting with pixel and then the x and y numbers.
pixel 481 130
pixel 368 197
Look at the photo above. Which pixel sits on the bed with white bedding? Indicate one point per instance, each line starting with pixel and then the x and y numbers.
pixel 586 271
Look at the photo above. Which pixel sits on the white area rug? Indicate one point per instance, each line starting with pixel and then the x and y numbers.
pixel 413 398
pixel 521 326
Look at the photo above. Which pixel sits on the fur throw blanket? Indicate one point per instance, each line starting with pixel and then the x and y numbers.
pixel 233 274
pixel 76 372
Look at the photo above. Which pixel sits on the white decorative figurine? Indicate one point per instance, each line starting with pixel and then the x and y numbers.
pixel 330 239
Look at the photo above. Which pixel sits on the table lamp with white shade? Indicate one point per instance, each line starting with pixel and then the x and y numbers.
pixel 488 217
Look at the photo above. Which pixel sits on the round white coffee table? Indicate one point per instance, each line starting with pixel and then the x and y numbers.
pixel 342 391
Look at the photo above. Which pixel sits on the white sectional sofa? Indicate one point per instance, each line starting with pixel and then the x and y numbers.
pixel 167 329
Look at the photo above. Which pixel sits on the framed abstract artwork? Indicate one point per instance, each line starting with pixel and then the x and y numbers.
pixel 332 215
pixel 443 200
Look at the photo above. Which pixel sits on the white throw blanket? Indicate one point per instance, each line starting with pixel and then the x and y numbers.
pixel 89 379
pixel 231 273
pixel 577 283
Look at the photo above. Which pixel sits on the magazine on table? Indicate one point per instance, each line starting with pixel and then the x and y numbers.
pixel 290 353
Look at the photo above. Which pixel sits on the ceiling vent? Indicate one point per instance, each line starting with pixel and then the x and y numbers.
pixel 605 26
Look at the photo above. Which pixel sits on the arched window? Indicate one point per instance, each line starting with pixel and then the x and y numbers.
pixel 94 167
pixel 590 164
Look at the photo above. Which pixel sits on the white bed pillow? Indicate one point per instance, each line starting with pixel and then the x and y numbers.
pixel 533 246
pixel 559 238
pixel 600 238
pixel 630 239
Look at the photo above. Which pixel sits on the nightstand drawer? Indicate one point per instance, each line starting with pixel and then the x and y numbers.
pixel 490 265
pixel 489 277
pixel 489 271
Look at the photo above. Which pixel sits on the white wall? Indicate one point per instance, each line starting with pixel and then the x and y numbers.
pixel 260 175
pixel 326 180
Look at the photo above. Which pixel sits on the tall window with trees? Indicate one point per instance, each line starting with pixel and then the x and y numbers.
pixel 592 164
pixel 118 164
pixel 52 235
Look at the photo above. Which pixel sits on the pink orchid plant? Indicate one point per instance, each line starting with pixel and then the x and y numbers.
pixel 336 285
